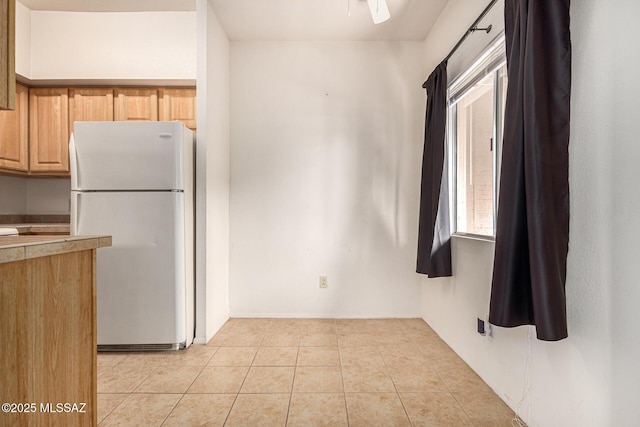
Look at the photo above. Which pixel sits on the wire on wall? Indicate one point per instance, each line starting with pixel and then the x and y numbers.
pixel 517 420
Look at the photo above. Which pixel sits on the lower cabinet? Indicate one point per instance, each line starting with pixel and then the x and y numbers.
pixel 48 351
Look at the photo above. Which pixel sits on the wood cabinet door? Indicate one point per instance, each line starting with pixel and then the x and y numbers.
pixel 136 105
pixel 7 54
pixel 90 105
pixel 178 104
pixel 49 131
pixel 14 134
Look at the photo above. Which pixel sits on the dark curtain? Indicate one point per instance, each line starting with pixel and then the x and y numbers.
pixel 434 237
pixel 532 233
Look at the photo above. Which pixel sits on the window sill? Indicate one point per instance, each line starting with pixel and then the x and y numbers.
pixel 474 237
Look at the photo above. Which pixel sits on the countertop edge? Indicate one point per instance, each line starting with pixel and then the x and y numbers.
pixel 18 248
pixel 25 228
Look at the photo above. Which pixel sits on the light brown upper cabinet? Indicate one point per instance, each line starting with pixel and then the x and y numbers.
pixel 34 139
pixel 49 131
pixel 178 104
pixel 14 133
pixel 90 105
pixel 7 55
pixel 136 105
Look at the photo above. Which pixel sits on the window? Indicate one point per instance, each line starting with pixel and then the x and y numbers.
pixel 476 111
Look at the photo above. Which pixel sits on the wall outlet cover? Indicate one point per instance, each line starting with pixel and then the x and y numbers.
pixel 323 282
pixel 481 329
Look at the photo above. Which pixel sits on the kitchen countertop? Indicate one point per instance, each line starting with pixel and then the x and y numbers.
pixel 18 248
pixel 39 228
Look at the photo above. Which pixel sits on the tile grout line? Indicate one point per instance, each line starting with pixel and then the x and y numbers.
pixel 115 407
pixel 243 380
pixel 462 407
pixel 172 408
pixel 235 399
pixel 144 379
pixel 129 394
pixel 111 411
pixel 445 383
pixel 344 391
pixel 293 380
pixel 406 413
pixel 185 392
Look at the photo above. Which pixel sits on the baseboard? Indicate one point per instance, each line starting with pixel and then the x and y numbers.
pixel 313 316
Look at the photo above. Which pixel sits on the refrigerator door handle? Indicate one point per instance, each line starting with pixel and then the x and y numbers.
pixel 165 135
pixel 73 163
pixel 75 212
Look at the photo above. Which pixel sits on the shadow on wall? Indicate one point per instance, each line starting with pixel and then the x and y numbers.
pixel 324 177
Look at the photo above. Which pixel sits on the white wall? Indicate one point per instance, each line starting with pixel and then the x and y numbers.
pixel 108 47
pixel 591 378
pixel 323 178
pixel 23 40
pixel 48 196
pixel 34 196
pixel 614 138
pixel 13 195
pixel 212 176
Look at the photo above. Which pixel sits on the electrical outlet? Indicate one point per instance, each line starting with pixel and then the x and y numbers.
pixel 484 327
pixel 481 329
pixel 323 282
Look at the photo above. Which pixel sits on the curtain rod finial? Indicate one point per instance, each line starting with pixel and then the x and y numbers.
pixel 487 29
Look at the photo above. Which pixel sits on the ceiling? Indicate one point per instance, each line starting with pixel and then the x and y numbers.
pixel 324 19
pixel 284 19
pixel 110 5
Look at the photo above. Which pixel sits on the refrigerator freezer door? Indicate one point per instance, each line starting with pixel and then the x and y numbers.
pixel 144 291
pixel 129 156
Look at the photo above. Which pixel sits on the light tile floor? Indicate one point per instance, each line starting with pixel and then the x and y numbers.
pixel 300 372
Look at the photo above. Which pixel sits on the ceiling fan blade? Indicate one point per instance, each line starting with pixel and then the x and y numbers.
pixel 379 10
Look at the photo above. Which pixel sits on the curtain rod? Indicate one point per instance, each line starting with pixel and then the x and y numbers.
pixel 472 28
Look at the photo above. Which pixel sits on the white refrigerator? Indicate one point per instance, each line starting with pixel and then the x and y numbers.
pixel 135 182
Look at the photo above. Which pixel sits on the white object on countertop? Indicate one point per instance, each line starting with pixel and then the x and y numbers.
pixel 8 231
